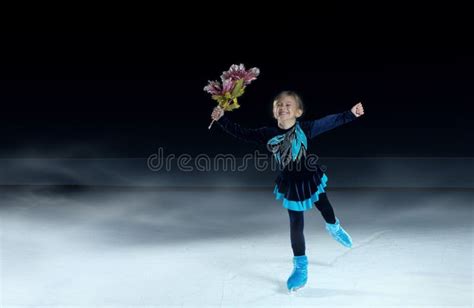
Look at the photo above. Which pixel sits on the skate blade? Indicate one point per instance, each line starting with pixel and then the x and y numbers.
pixel 295 290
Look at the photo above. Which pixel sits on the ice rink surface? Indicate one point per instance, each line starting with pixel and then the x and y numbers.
pixel 229 248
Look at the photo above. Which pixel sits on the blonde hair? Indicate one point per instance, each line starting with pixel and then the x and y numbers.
pixel 293 94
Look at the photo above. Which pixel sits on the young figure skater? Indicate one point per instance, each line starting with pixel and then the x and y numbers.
pixel 298 184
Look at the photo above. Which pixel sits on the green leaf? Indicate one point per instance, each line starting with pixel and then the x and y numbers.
pixel 238 88
pixel 233 105
pixel 215 97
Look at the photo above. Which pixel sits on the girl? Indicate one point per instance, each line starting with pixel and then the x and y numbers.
pixel 297 184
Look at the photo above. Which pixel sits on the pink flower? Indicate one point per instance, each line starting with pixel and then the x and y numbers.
pixel 232 84
pixel 237 72
pixel 227 85
pixel 214 88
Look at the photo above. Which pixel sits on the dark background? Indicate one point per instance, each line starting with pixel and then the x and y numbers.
pixel 112 95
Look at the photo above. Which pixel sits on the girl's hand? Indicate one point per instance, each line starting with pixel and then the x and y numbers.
pixel 358 109
pixel 217 113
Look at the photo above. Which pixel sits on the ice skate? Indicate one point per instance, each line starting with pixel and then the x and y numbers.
pixel 339 234
pixel 299 276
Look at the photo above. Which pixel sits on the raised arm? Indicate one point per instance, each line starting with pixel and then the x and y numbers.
pixel 332 121
pixel 252 135
pixel 255 135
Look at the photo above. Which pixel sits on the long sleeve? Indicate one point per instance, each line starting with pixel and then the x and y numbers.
pixel 252 135
pixel 329 122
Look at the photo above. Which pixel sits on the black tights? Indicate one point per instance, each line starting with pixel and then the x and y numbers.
pixel 297 223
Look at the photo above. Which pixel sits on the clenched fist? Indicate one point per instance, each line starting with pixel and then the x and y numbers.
pixel 217 113
pixel 358 109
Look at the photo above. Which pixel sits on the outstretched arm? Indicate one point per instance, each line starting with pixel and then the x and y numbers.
pixel 252 135
pixel 332 121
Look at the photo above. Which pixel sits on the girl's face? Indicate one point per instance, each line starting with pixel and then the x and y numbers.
pixel 286 108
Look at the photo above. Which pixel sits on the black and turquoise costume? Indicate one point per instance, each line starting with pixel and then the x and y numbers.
pixel 298 183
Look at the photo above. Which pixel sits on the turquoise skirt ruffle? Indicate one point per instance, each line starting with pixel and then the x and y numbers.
pixel 300 196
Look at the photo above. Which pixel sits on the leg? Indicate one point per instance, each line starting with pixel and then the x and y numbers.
pixel 296 232
pixel 332 222
pixel 325 208
pixel 299 275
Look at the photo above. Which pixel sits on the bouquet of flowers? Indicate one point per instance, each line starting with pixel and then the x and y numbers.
pixel 232 86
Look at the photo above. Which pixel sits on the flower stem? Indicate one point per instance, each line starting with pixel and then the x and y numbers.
pixel 211 124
